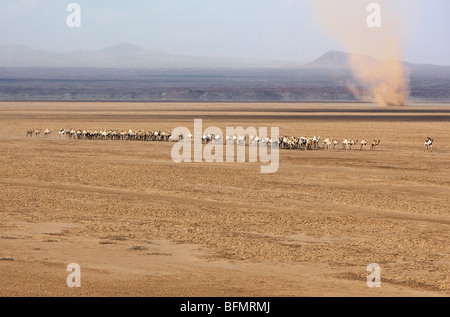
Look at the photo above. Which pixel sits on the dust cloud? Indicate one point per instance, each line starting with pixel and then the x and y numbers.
pixel 382 77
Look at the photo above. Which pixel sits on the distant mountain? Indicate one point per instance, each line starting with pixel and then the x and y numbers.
pixel 124 48
pixel 127 55
pixel 340 61
pixel 331 59
pixel 124 56
pixel 337 60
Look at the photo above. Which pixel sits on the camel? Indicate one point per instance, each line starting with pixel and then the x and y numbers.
pixel 93 135
pixel 428 145
pixel 72 133
pixel 123 135
pixel 241 140
pixel 115 135
pixel 315 141
pixel 47 133
pixel 165 136
pixel 256 141
pixel 104 134
pixel 284 141
pixel 290 143
pixel 30 133
pixel 139 135
pixel 189 138
pixel 309 144
pixel 37 132
pixel 327 143
pixel 335 143
pixel 374 145
pixel 253 140
pixel 264 141
pixel 363 144
pixel 131 135
pixel 301 142
pixel 293 143
pixel 274 142
pixel 176 137
pixel 205 138
pixel 217 139
pixel 346 144
pixel 155 135
pixel 62 132
pixel 353 142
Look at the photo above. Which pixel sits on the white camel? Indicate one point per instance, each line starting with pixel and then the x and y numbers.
pixel 315 141
pixel 335 143
pixel 346 144
pixel 327 143
pixel 263 141
pixel 47 133
pixel 251 140
pixel 363 144
pixel 217 139
pixel 104 134
pixel 241 140
pixel 189 138
pixel 131 134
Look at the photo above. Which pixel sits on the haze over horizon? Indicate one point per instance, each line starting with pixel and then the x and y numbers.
pixel 128 55
pixel 262 30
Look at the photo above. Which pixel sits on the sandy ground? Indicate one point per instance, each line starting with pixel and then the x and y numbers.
pixel 139 224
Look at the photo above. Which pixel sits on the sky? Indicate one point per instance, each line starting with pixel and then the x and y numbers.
pixel 256 29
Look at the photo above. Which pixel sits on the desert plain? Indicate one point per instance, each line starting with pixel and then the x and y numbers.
pixel 139 224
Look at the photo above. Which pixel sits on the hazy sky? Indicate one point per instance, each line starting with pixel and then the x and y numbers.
pixel 266 29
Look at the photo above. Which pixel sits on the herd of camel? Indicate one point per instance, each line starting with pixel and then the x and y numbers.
pixel 314 143
pixel 283 142
pixel 141 135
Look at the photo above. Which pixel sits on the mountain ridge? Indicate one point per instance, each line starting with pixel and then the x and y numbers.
pixel 124 55
pixel 127 55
